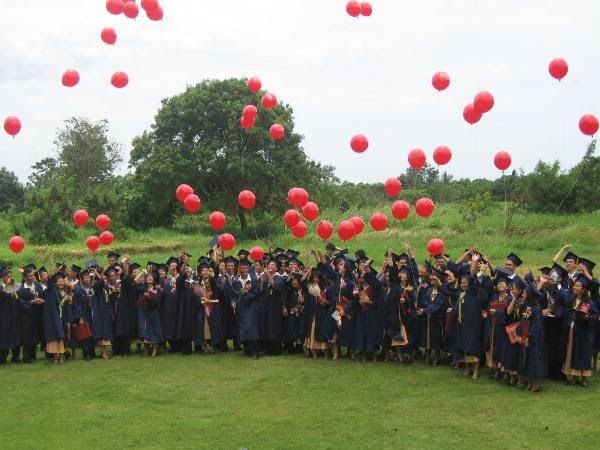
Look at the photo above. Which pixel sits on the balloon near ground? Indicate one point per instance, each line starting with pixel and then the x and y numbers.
pixel 425 207
pixel 217 220
pixel 257 253
pixel 226 241
pixel 192 203
pixel 392 187
pixel 502 160
pixel 558 68
pixel 442 155
pixel 346 230
pixel 471 115
pixel 106 238
pixel 417 159
pixel 70 78
pixel 12 125
pixel 247 199
pixel 588 124
pixel 440 81
pixel 484 102
pixel 183 190
pixel 16 244
pixel 400 210
pixel 81 218
pixel 277 132
pixel 359 225
pixel 119 80
pixel 310 211
pixel 436 247
pixel 325 229
pixel 102 222
pixel 379 221
pixel 92 243
pixel 359 143
pixel 299 230
pixel 109 35
pixel 353 8
pixel 298 197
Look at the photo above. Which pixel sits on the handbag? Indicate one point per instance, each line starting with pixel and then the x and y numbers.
pixel 83 332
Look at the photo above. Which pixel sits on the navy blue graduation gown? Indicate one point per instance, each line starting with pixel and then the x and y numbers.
pixel 122 310
pixel 272 308
pixel 496 325
pixel 201 312
pixel 187 306
pixel 536 365
pixel 247 307
pixel 149 326
pixel 169 309
pixel 227 298
pixel 52 315
pixel 95 310
pixel 9 321
pixel 294 303
pixel 30 315
pixel 470 321
pixel 343 298
pixel 434 312
pixel 319 313
pixel 368 321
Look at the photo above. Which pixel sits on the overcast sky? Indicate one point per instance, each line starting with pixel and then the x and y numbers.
pixel 341 75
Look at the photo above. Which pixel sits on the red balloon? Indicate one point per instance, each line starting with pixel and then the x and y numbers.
pixel 359 225
pixel 346 230
pixel 359 143
pixel 149 4
pixel 250 111
pixel 106 238
pixel 502 160
pixel 299 230
pixel 16 244
pixel 291 218
pixel 484 102
pixel 192 203
pixel 70 78
pixel 254 84
pixel 392 187
pixel 299 197
pixel 81 218
pixel 471 115
pixel 131 10
pixel 12 125
pixel 440 81
pixel 119 80
pixel 247 199
pixel 436 247
pixel 325 229
pixel 102 222
pixel 558 68
pixel 247 122
pixel 257 253
pixel 92 243
pixel 442 155
pixel 366 9
pixel 155 13
pixel 310 211
pixel 417 158
pixel 400 210
pixel 268 101
pixel 217 220
pixel 425 207
pixel 588 124
pixel 226 241
pixel 379 221
pixel 115 7
pixel 183 190
pixel 277 132
pixel 353 8
pixel 109 35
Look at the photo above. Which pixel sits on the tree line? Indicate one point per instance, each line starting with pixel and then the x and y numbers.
pixel 196 139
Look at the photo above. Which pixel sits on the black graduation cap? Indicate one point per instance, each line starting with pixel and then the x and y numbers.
pixel 440 276
pixel 278 251
pixel 172 260
pixel 529 278
pixel 292 254
pixel 114 255
pixel 204 260
pixel 90 264
pixel 501 272
pixel 54 278
pixel 134 266
pixel 545 270
pixel 75 268
pixel 61 266
pixel 153 266
pixel 515 259
pixel 361 254
pixel 3 272
pixel 230 259
pixel 405 270
pixel 163 267
pixel 243 254
pixel 532 291
pixel 587 263
pixel 244 263
pixel 572 256
pixel 403 257
pixel 186 254
pixel 330 246
pixel 293 261
pixel 344 251
pixel 42 270
pixel 84 273
pixel 560 271
pixel 203 264
pixel 584 281
pixel 518 282
pixel 109 271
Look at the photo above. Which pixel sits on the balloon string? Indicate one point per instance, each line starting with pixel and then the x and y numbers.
pixel 253 225
pixel 505 201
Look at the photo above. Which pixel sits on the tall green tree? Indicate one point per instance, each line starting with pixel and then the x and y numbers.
pixel 13 193
pixel 197 139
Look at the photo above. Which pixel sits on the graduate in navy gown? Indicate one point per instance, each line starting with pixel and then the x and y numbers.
pixel 9 317
pixel 271 285
pixel 187 304
pixel 247 310
pixel 31 306
pixel 432 306
pixel 319 306
pixel 496 322
pixel 208 322
pixel 53 313
pixel 148 293
pixel 227 297
pixel 369 294
pixel 170 305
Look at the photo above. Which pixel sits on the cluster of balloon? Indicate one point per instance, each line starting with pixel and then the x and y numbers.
pixel 226 241
pixel 217 220
pixel 325 229
pixel 436 247
pixel 12 125
pixel 440 81
pixel 247 199
pixel 379 221
pixel 268 101
pixel 502 160
pixel 299 198
pixel 359 143
pixel 588 124
pixel 482 103
pixel 355 8
pixel 191 202
pixel 417 158
pixel 70 78
pixel 16 244
pixel 400 210
pixel 257 253
pixel 130 9
pixel 392 187
pixel 425 207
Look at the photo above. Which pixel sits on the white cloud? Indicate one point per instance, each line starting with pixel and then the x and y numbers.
pixel 341 75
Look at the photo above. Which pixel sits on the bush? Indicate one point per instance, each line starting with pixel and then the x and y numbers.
pixel 47 227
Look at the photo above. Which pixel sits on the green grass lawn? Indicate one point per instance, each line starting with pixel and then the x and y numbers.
pixel 229 401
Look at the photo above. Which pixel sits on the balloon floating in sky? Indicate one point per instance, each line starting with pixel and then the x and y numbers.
pixel 268 101
pixel 392 187
pixel 250 111
pixel 183 190
pixel 277 132
pixel 310 211
pixel 442 155
pixel 345 230
pixel 70 78
pixel 16 244
pixel 92 243
pixel 400 210
pixel 417 158
pixel 257 253
pixel 436 247
pixel 379 221
pixel 254 84
pixel 298 197
pixel 483 102
pixel 80 218
pixel 425 207
pixel 359 225
pixel 131 10
pixel 247 122
pixel 291 218
pixel 558 68
pixel 440 81
pixel 353 8
pixel 471 115
pixel 155 13
pixel 226 241
pixel 299 230
pixel 108 35
pixel 247 199
pixel 102 222
pixel 192 203
pixel 366 9
pixel 588 124
pixel 12 125
pixel 325 229
pixel 359 143
pixel 115 7
pixel 502 160
pixel 217 220
pixel 119 80
pixel 106 238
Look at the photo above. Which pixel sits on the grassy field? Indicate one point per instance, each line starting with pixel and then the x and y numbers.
pixel 229 401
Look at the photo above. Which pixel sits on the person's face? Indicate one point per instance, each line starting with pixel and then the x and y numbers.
pixel 502 286
pixel 329 252
pixel 578 288
pixel 510 265
pixel 60 283
pixel 111 261
pixel 173 267
pixel 515 292
pixel 204 273
pixel 570 264
pixel 222 268
pixel 387 277
pixel 230 267
pixel 272 267
pixel 86 279
pixel 403 277
pixel 112 278
pixel 162 273
pixel 258 267
pixel 423 271
pixel 293 267
pixel 44 277
pixel 150 280
pixel 30 277
pixel 295 283
pixel 464 284
pixel 441 263
pixel 135 272
pixel 341 266
pixel 244 270
pixel 315 278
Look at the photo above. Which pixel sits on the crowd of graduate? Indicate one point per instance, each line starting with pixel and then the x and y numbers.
pixel 465 312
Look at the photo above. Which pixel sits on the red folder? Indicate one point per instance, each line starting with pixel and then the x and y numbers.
pixel 83 332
